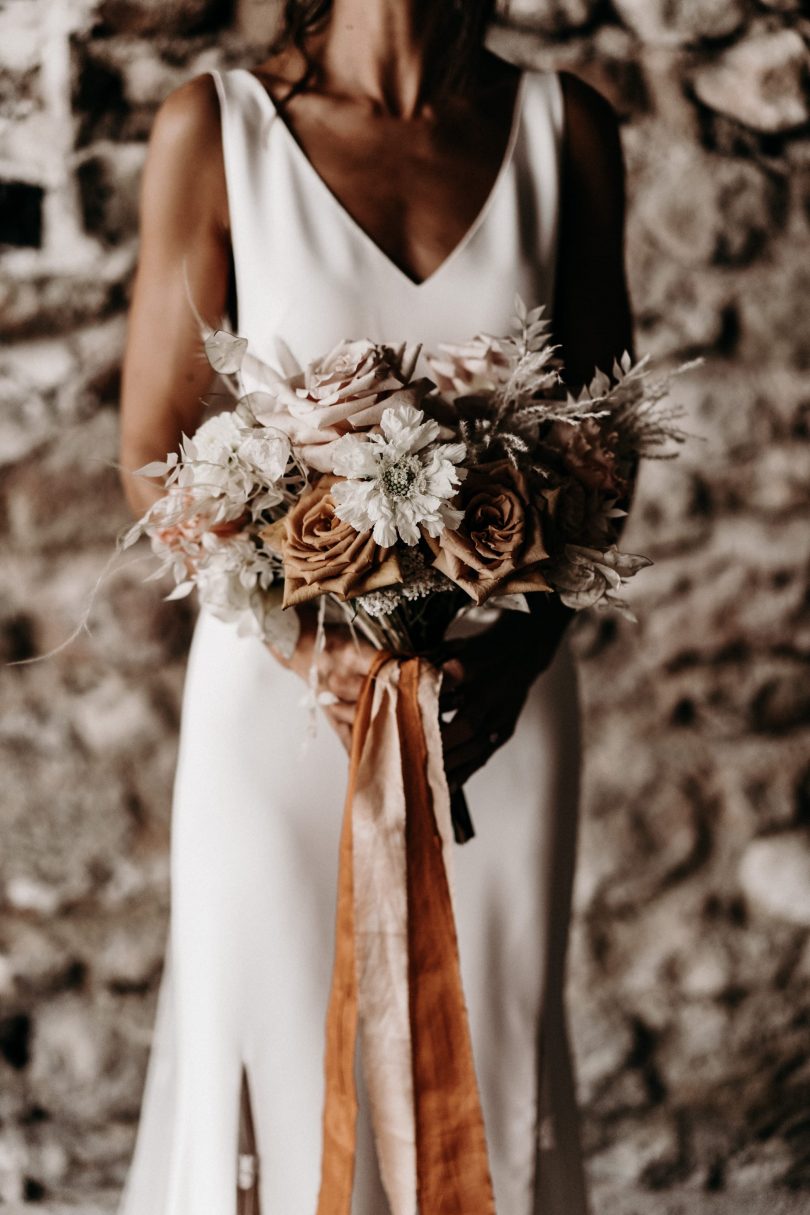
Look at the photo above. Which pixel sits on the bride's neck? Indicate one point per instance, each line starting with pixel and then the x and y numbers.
pixel 386 51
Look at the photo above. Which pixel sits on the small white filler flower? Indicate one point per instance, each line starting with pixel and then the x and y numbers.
pixel 398 479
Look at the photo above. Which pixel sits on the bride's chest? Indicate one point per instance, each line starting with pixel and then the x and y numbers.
pixel 414 195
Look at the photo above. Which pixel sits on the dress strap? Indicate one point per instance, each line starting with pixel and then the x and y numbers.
pixel 249 153
pixel 539 167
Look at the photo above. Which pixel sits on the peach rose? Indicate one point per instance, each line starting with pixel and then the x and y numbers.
pixel 498 547
pixel 470 368
pixel 345 391
pixel 322 554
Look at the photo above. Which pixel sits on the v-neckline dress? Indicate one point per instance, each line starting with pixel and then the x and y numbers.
pixel 342 215
pixel 257 802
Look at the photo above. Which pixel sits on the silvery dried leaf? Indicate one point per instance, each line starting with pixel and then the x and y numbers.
pixel 180 591
pixel 225 352
pixel 257 406
pixel 158 468
pixel 281 630
pixel 510 603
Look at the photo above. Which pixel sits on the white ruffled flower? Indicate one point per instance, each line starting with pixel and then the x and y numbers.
pixel 344 392
pixel 226 466
pixel 399 479
pixel 265 452
pixel 239 582
pixel 479 366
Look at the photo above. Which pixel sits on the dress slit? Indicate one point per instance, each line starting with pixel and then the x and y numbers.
pixel 247 1177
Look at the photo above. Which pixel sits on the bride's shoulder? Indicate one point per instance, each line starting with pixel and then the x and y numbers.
pixel 588 113
pixel 185 170
pixel 592 142
pixel 187 123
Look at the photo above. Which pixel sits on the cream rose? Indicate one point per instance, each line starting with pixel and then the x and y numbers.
pixel 498 547
pixel 346 391
pixel 322 554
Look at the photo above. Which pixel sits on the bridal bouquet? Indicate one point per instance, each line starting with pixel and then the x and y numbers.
pixel 403 501
pixel 399 502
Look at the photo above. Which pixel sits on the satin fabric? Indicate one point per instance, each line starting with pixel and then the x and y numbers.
pixel 257 803
pixel 396 971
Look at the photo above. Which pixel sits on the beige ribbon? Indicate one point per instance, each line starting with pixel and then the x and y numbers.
pixel 396 969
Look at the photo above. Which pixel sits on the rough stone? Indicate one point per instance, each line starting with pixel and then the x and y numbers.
pixel 760 82
pixel 21 214
pixel 108 183
pixel 550 16
pixel 702 209
pixel 45 302
pixel 776 296
pixel 775 875
pixel 143 17
pixel 663 23
pixel 640 1145
pixel 676 312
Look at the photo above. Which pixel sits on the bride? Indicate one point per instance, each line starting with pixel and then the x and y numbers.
pixel 380 175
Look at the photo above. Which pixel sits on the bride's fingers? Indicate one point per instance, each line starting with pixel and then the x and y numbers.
pixel 458 732
pixel 343 732
pixel 467 723
pixel 452 675
pixel 458 777
pixel 349 653
pixel 465 755
pixel 343 712
pixel 470 755
pixel 342 728
pixel 345 684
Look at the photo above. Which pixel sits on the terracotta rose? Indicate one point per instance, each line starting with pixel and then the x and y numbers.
pixel 498 546
pixel 586 454
pixel 322 554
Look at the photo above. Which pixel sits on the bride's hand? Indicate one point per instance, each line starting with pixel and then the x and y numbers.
pixel 487 679
pixel 341 665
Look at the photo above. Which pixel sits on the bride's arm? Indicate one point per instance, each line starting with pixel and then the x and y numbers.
pixel 592 316
pixel 184 240
pixel 186 250
pixel 489 678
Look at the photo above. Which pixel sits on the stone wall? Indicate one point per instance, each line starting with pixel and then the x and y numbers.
pixel 690 975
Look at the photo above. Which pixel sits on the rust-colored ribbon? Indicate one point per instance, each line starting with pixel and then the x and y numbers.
pixel 452 1170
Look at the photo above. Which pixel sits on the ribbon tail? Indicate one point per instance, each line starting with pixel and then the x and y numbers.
pixel 381 930
pixel 396 971
pixel 340 1100
pixel 453 1176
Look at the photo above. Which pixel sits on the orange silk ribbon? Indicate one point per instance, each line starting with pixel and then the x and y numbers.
pixel 450 1157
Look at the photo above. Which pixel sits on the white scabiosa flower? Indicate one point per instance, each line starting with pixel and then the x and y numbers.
pixel 399 479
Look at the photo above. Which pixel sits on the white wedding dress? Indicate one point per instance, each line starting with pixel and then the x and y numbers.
pixel 257 807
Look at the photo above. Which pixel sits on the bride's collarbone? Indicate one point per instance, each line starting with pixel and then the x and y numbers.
pixel 414 188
